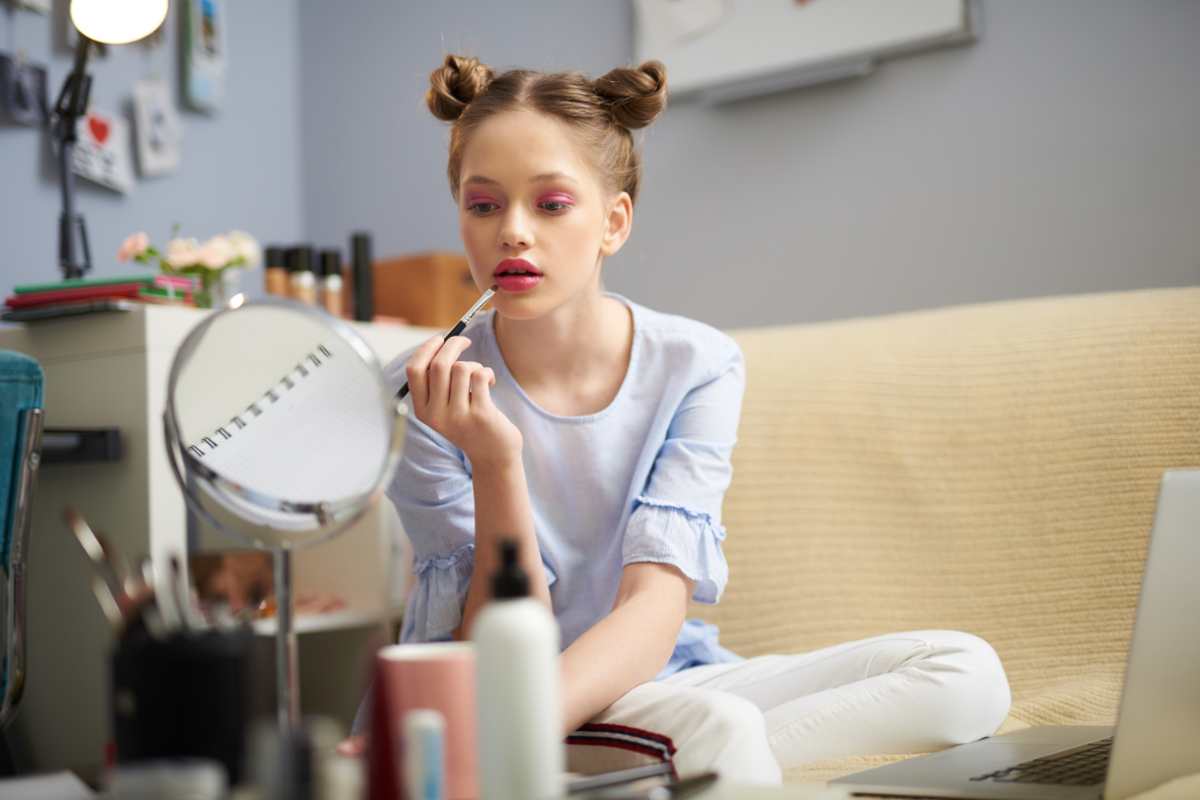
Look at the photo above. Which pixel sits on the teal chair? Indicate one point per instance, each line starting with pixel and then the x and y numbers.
pixel 21 419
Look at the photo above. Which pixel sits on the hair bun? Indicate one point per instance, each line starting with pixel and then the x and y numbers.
pixel 635 96
pixel 458 81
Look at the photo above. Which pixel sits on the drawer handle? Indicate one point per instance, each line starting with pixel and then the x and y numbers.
pixel 80 445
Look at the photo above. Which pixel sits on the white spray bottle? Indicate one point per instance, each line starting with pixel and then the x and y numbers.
pixel 522 755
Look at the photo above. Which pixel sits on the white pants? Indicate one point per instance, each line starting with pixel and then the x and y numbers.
pixel 899 693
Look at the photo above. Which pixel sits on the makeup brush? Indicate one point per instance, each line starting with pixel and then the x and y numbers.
pixel 107 584
pixel 456 330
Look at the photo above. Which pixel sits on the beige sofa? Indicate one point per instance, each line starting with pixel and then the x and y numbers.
pixel 989 468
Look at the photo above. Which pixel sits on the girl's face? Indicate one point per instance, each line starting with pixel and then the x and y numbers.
pixel 534 217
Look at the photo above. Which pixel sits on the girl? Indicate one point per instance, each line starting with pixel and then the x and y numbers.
pixel 598 433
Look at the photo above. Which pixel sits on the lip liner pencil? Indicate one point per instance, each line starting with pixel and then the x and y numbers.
pixel 457 329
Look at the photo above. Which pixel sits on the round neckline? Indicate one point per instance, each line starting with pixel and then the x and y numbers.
pixel 621 390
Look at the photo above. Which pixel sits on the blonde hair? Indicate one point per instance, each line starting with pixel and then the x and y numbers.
pixel 602 112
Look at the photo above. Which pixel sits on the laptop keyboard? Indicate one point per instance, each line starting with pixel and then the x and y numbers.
pixel 1080 766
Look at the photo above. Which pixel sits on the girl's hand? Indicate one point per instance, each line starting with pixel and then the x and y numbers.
pixel 353 746
pixel 454 398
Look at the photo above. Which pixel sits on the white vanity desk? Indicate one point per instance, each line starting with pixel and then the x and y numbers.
pixel 110 369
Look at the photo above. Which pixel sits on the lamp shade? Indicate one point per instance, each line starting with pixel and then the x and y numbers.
pixel 117 21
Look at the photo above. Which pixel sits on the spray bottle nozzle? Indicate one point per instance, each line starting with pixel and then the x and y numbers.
pixel 509 581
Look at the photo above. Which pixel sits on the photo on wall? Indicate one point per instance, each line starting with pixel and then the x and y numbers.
pixel 203 45
pixel 158 133
pixel 40 6
pixel 102 151
pixel 23 99
pixel 724 50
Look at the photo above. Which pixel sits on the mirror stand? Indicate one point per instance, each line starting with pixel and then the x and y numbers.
pixel 282 430
pixel 287 669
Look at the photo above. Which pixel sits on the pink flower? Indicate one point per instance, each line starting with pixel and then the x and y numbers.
pixel 134 246
pixel 182 253
pixel 246 248
pixel 216 253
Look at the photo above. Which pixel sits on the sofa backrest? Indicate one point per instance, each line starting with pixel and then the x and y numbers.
pixel 990 468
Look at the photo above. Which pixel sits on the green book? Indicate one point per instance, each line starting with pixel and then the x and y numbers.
pixel 75 283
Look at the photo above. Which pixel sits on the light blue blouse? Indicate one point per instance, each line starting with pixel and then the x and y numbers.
pixel 640 481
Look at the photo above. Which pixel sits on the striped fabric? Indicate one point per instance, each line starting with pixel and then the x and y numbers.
pixel 598 747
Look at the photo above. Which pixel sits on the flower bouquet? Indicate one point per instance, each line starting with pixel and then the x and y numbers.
pixel 209 263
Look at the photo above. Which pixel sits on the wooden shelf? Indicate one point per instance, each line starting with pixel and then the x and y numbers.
pixel 331 621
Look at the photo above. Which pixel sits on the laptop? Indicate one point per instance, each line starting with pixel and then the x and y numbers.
pixel 1157 736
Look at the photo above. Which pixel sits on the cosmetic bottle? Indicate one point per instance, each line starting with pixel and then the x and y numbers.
pixel 364 286
pixel 424 761
pixel 302 282
pixel 518 700
pixel 276 271
pixel 331 282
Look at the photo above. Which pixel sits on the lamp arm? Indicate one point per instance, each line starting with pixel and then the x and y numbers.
pixel 73 97
pixel 72 104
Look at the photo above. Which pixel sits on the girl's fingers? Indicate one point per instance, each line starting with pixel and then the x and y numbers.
pixel 439 369
pixel 416 371
pixel 462 381
pixel 481 379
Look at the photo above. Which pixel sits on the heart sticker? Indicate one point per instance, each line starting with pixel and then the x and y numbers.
pixel 98 128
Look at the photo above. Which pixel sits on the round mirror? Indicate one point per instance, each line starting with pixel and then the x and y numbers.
pixel 281 429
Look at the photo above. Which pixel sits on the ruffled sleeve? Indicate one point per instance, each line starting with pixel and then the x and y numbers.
pixel 666 533
pixel 439 594
pixel 676 519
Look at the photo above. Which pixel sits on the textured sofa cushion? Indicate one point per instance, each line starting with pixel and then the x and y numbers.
pixel 990 468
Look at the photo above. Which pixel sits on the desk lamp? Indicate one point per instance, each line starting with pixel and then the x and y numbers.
pixel 107 22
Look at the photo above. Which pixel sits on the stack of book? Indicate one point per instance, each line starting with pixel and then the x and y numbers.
pixel 85 295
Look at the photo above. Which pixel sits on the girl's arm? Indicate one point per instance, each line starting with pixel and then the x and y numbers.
pixel 454 398
pixel 502 510
pixel 629 646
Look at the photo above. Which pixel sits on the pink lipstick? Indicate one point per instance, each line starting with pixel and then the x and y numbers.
pixel 516 275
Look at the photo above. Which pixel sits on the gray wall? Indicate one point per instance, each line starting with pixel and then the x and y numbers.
pixel 240 167
pixel 374 157
pixel 1059 154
